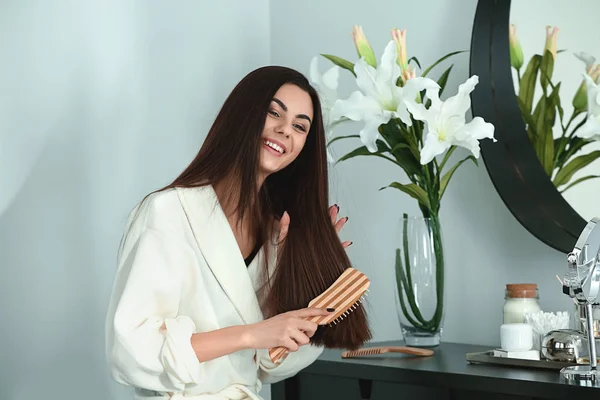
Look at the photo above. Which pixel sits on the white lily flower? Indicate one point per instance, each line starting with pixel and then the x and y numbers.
pixel 588 60
pixel 591 127
pixel 326 86
pixel 379 98
pixel 446 123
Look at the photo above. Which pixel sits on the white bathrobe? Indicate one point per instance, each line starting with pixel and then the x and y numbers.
pixel 180 271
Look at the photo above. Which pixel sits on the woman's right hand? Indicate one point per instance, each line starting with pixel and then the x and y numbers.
pixel 290 330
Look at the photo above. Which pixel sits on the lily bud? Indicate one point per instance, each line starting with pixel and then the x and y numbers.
pixel 399 37
pixel 593 71
pixel 363 48
pixel 516 52
pixel 409 74
pixel 551 36
pixel 580 101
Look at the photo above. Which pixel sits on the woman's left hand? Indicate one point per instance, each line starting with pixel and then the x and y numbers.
pixel 338 223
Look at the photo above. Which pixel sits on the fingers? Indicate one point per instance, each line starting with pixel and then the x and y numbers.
pixel 311 312
pixel 333 213
pixel 340 224
pixel 284 225
pixel 308 327
pixel 299 337
pixel 291 345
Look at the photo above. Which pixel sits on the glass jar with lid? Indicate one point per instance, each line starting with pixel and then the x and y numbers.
pixel 520 299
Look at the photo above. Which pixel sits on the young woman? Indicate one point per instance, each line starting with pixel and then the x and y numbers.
pixel 220 265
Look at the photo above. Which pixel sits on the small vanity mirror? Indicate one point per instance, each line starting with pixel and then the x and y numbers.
pixel 582 283
pixel 531 56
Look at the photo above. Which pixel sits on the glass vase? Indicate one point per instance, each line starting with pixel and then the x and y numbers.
pixel 419 265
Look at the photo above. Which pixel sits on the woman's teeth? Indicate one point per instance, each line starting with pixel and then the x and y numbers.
pixel 274 146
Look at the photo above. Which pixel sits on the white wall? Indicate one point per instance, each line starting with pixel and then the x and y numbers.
pixel 485 246
pixel 104 101
pixel 101 102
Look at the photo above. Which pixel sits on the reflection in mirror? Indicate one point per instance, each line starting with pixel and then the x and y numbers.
pixel 553 45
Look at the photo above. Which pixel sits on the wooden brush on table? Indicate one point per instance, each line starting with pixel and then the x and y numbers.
pixel 344 295
pixel 369 351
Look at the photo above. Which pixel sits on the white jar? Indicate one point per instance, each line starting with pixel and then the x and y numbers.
pixel 520 299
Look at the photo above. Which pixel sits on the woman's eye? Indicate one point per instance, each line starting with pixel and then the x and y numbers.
pixel 274 113
pixel 301 127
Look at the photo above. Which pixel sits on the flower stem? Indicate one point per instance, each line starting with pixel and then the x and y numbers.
pixel 401 283
pixel 439 269
pixel 405 285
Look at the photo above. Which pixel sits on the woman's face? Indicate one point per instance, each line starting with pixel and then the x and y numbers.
pixel 286 128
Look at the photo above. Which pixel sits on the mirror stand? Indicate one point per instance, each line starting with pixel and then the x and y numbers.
pixel 582 282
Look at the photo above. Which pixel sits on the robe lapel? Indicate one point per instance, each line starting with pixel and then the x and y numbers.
pixel 220 249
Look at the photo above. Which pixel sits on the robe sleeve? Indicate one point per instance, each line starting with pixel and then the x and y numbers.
pixel 151 343
pixel 270 372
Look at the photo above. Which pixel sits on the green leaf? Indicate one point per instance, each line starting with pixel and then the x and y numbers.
pixel 448 175
pixel 549 145
pixel 442 82
pixel 412 190
pixel 444 79
pixel 559 146
pixel 583 179
pixel 579 125
pixel 556 101
pixel 340 62
pixel 545 132
pixel 546 69
pixel 541 129
pixel 546 149
pixel 400 146
pixel 446 157
pixel 403 147
pixel 382 147
pixel 342 137
pixel 575 144
pixel 415 60
pixel 528 81
pixel 566 173
pixel 440 60
pixel 527 117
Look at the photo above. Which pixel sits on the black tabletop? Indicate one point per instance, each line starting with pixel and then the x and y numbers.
pixel 449 368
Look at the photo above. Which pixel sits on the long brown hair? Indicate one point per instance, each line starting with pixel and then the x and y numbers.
pixel 311 257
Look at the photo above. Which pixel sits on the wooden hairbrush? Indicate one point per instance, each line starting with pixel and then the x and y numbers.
pixel 369 351
pixel 344 295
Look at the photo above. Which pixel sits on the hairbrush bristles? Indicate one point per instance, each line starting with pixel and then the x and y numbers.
pixel 344 296
pixel 363 352
pixel 347 312
pixel 369 351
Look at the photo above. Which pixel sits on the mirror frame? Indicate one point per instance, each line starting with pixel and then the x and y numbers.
pixel 511 162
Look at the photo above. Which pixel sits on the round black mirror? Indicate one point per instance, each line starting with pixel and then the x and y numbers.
pixel 512 163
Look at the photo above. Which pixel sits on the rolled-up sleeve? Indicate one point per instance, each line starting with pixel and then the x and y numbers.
pixel 151 343
pixel 269 372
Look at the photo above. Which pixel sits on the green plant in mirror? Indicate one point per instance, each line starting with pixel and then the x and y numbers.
pixel 560 154
pixel 405 122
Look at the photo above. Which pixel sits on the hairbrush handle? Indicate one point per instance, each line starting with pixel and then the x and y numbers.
pixel 280 353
